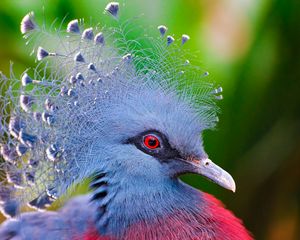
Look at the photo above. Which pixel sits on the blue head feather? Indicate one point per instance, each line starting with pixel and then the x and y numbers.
pixel 88 98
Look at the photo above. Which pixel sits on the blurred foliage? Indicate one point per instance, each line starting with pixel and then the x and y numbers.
pixel 251 48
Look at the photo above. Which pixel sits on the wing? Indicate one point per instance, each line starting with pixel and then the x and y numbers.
pixel 74 219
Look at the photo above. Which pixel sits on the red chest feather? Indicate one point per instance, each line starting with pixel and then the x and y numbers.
pixel 213 223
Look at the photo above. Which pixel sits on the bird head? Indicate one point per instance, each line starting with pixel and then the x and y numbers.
pixel 100 104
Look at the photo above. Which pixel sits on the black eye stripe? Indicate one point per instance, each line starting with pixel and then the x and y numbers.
pixel 164 152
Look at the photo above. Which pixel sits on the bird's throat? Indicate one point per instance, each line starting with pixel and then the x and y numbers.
pixel 128 203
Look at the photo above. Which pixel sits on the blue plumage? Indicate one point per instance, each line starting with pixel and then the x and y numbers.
pixel 86 111
pixel 86 97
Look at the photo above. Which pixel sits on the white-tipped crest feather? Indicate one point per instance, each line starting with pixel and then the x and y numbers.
pixel 48 126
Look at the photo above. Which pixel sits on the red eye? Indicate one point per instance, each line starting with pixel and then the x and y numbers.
pixel 151 142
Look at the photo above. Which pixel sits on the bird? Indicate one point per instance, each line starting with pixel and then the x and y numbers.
pixel 124 112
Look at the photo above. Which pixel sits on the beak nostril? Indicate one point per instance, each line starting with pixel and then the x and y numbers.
pixel 206 163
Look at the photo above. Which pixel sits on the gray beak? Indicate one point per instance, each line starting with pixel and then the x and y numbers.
pixel 213 172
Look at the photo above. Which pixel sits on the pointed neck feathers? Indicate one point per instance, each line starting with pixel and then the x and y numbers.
pixel 127 202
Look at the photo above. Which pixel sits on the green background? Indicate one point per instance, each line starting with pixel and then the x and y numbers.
pixel 251 48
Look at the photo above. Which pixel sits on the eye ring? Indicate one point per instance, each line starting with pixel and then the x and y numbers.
pixel 151 141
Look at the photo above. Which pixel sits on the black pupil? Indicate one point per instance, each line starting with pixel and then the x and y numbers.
pixel 152 142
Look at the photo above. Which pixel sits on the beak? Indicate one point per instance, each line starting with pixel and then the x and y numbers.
pixel 213 172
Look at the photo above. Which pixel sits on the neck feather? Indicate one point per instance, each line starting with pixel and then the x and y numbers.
pixel 124 203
